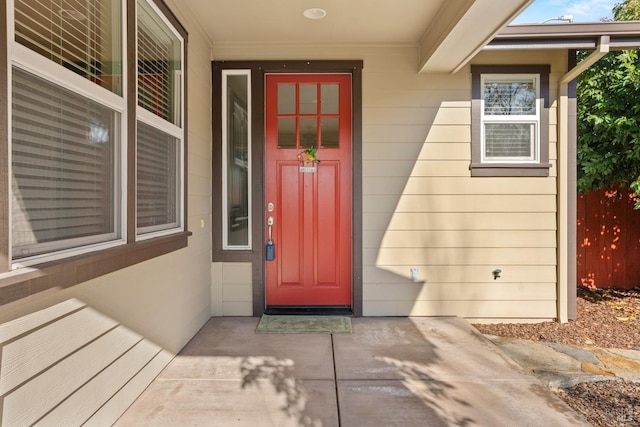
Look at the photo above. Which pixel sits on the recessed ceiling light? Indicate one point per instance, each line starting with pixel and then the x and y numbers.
pixel 314 13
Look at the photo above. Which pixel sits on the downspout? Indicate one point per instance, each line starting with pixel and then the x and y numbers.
pixel 567 180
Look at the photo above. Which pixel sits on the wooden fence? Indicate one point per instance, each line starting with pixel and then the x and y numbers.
pixel 608 240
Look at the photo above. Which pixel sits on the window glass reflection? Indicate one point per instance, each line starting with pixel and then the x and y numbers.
pixel 329 132
pixel 286 98
pixel 308 99
pixel 308 132
pixel 330 102
pixel 286 132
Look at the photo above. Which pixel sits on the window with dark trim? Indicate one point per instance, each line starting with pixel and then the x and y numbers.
pixel 94 150
pixel 510 120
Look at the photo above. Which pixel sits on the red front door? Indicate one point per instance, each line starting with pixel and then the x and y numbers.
pixel 309 202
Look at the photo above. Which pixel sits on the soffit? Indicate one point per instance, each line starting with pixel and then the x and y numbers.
pixel 446 33
pixel 347 21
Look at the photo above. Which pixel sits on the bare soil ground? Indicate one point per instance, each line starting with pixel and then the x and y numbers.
pixel 607 318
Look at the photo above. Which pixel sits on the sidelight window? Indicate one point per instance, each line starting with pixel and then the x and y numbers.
pixel 236 134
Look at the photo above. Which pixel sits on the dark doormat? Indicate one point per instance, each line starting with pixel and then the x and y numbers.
pixel 270 324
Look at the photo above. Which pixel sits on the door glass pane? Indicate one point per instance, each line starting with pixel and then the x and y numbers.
pixel 308 132
pixel 329 132
pixel 83 36
pixel 287 132
pixel 308 99
pixel 286 98
pixel 330 99
pixel 237 162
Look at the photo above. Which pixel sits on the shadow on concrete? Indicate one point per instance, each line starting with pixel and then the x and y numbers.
pixel 430 390
pixel 280 375
pixel 389 371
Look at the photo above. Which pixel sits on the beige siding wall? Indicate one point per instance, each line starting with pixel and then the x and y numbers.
pixel 85 353
pixel 431 215
pixel 231 289
pixel 422 208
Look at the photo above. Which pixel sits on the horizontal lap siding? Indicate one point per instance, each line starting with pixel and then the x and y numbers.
pixel 502 308
pixel 232 289
pixel 237 290
pixel 70 363
pixel 422 208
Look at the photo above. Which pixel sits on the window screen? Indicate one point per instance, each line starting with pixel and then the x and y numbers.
pixel 63 168
pixel 509 140
pixel 157 180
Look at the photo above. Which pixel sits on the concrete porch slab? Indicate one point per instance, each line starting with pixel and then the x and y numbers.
pixel 264 402
pixel 389 371
pixel 411 402
pixel 425 348
pixel 227 348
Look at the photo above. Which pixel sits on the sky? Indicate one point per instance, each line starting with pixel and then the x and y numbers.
pixel 582 10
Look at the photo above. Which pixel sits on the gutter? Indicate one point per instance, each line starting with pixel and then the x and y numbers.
pixel 601 50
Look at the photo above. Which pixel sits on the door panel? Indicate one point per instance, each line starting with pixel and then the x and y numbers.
pixel 328 228
pixel 312 201
pixel 289 237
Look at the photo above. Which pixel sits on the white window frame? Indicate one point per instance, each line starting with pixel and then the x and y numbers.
pixel 533 119
pixel 29 61
pixel 225 166
pixel 171 129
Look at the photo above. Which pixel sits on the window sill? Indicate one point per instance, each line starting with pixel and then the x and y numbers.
pixel 510 169
pixel 24 283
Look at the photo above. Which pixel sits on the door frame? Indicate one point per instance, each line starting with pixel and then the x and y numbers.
pixel 257 255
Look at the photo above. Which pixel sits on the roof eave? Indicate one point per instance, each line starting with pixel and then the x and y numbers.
pixel 578 36
pixel 461 29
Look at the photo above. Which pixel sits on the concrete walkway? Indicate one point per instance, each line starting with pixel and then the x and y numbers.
pixel 389 371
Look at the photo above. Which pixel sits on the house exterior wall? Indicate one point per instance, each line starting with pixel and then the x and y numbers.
pixel 421 207
pixel 85 353
pixel 231 289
